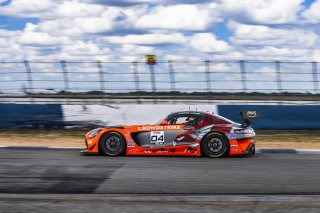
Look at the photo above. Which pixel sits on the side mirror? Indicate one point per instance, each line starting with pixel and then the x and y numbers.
pixel 164 122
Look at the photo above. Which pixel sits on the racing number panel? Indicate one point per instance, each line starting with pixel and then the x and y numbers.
pixel 155 138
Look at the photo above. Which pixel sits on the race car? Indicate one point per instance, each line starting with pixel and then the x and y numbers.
pixel 184 133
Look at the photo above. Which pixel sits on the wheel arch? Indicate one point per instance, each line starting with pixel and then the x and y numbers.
pixel 110 131
pixel 218 133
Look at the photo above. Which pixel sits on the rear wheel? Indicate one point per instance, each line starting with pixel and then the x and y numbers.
pixel 215 145
pixel 113 144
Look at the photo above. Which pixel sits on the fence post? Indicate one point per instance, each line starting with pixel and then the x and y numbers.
pixel 315 76
pixel 277 64
pixel 136 75
pixel 101 77
pixel 152 78
pixel 65 76
pixel 29 76
pixel 243 75
pixel 208 77
pixel 153 82
pixel 172 77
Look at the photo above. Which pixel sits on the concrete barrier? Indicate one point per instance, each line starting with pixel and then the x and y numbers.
pixel 30 115
pixel 277 116
pixel 61 116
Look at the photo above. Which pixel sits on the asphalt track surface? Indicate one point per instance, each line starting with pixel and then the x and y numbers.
pixel 56 180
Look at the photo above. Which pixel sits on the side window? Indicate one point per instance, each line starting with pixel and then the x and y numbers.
pixel 192 120
pixel 172 120
pixel 209 120
pixel 184 119
pixel 206 120
pixel 178 119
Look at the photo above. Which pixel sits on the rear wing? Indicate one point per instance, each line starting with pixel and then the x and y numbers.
pixel 247 115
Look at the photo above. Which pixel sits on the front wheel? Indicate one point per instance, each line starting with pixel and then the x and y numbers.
pixel 252 151
pixel 113 144
pixel 215 145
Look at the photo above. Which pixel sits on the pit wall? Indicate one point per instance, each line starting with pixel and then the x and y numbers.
pixel 57 116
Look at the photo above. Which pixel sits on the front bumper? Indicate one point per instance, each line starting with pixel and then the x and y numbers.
pixel 91 146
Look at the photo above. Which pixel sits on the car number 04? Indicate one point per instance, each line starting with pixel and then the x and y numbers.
pixel 157 137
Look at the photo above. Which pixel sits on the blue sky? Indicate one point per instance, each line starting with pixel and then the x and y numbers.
pixel 126 30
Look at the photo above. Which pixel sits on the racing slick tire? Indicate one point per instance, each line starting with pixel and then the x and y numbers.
pixel 252 152
pixel 214 145
pixel 112 144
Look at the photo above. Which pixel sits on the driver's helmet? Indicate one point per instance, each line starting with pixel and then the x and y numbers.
pixel 190 119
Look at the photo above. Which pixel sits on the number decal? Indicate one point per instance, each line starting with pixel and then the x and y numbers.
pixel 157 137
pixel 154 138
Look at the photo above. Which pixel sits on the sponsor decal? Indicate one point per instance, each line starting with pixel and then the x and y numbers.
pixel 133 151
pixel 251 114
pixel 157 137
pixel 156 150
pixel 231 136
pixel 247 135
pixel 155 128
pixel 127 135
pixel 130 143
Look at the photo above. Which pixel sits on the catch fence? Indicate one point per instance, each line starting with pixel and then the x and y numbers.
pixel 34 77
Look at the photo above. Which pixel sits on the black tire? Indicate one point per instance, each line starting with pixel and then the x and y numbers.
pixel 252 151
pixel 113 144
pixel 215 145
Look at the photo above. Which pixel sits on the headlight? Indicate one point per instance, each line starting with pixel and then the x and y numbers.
pixel 94 133
pixel 243 131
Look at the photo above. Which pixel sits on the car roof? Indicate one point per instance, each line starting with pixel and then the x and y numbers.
pixel 198 113
pixel 188 112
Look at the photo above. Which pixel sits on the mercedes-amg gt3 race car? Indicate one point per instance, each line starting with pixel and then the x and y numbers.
pixel 185 133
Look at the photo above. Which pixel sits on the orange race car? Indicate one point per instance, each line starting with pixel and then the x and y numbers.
pixel 185 133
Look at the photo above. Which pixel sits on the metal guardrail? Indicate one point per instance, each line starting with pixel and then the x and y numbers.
pixel 31 77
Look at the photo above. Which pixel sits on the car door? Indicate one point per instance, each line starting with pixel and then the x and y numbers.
pixel 176 129
pixel 157 135
pixel 186 133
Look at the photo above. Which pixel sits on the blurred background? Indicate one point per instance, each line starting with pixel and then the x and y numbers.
pixel 79 96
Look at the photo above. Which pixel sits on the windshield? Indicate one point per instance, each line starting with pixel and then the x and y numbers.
pixel 160 120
